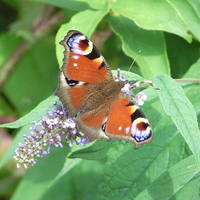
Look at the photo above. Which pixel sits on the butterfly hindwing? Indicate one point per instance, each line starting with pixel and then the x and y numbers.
pixel 129 124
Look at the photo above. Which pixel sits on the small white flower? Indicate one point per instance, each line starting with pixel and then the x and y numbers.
pixel 126 89
pixel 69 123
pixel 141 98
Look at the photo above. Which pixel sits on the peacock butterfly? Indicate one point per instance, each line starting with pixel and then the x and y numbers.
pixel 89 92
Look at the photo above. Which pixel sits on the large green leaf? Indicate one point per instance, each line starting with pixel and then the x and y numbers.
pixel 39 181
pixel 179 108
pixel 97 150
pixel 153 59
pixel 192 17
pixel 128 172
pixel 173 181
pixel 155 15
pixel 79 183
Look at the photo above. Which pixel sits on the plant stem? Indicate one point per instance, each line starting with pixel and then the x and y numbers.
pixel 186 80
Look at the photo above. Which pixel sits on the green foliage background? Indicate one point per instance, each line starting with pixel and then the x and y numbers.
pixel 168 33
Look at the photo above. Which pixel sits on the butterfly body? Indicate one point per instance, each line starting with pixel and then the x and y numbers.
pixel 88 91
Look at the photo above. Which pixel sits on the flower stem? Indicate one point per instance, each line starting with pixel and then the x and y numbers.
pixel 186 80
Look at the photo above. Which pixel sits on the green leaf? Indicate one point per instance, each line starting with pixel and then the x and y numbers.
pixel 193 89
pixel 34 115
pixel 34 77
pixel 190 189
pixel 173 181
pixel 84 178
pixel 95 4
pixel 68 4
pixel 98 149
pixel 39 181
pixel 155 15
pixel 36 182
pixel 8 43
pixel 179 108
pixel 69 165
pixel 193 71
pixel 192 17
pixel 78 22
pixel 11 151
pixel 93 151
pixel 150 43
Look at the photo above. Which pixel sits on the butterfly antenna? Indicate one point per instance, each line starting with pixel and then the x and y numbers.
pixel 134 61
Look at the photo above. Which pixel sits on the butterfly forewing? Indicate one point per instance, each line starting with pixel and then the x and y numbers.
pixel 82 60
